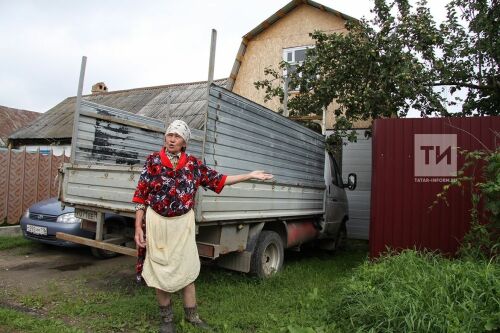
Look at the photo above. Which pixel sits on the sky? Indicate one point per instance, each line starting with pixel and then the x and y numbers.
pixel 128 44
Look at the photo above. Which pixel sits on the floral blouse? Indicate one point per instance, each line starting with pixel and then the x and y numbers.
pixel 171 192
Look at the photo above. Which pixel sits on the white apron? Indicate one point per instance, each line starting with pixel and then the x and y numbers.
pixel 172 260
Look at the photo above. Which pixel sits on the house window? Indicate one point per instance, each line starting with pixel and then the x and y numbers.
pixel 294 56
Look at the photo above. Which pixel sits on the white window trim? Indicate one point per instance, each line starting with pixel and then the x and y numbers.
pixel 293 62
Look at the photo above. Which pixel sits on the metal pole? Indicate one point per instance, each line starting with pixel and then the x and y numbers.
pixel 74 138
pixel 211 64
pixel 285 98
pixel 323 122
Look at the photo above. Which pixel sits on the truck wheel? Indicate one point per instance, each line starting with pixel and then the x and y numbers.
pixel 267 258
pixel 341 237
pixel 102 254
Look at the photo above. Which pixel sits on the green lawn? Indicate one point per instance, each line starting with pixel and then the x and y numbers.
pixel 231 302
pixel 316 292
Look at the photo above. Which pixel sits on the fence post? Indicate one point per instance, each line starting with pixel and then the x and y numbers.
pixel 22 182
pixel 8 185
pixel 37 171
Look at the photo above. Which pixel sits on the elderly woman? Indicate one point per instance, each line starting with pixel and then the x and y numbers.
pixel 165 194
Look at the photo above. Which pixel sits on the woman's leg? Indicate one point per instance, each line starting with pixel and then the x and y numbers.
pixel 163 297
pixel 189 295
pixel 190 308
pixel 166 312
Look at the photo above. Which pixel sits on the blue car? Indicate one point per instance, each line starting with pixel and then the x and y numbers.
pixel 44 219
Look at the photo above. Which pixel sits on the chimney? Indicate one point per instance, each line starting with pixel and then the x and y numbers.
pixel 99 87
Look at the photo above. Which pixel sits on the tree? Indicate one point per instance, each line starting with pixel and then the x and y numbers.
pixel 400 60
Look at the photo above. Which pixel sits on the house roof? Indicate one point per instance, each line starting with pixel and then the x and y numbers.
pixel 13 119
pixel 183 100
pixel 270 21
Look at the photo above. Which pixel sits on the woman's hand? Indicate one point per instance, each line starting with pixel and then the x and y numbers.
pixel 139 238
pixel 140 241
pixel 260 175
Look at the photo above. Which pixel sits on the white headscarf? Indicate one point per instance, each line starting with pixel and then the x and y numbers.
pixel 181 128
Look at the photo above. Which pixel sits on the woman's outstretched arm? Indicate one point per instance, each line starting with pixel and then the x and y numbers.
pixel 258 175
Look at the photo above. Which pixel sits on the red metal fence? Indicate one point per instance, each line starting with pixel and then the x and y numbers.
pixel 26 178
pixel 400 214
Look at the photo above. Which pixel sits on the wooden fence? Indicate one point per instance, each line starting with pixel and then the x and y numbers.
pixel 26 178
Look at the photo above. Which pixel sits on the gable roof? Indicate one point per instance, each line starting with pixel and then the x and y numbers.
pixel 13 119
pixel 270 21
pixel 183 100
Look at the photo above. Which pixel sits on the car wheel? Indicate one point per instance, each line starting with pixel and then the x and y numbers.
pixel 268 256
pixel 102 254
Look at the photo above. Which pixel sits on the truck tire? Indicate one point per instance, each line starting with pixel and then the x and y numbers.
pixel 268 256
pixel 102 254
pixel 340 239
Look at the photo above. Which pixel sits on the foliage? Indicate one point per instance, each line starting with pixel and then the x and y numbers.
pixel 481 174
pixel 420 292
pixel 400 60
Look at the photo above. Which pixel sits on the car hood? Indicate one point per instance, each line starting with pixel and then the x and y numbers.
pixel 50 207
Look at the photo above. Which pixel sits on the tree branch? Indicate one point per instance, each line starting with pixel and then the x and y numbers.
pixel 465 85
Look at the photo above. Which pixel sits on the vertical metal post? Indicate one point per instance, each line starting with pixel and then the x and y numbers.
pixel 285 97
pixel 323 122
pixel 74 138
pixel 99 228
pixel 211 65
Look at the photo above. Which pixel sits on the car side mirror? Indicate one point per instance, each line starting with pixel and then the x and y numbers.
pixel 352 181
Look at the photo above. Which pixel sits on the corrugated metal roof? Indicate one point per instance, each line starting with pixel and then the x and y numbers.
pixel 13 119
pixel 270 21
pixel 183 100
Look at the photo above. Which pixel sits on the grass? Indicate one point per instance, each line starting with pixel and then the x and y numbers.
pixel 422 292
pixel 229 301
pixel 317 292
pixel 9 242
pixel 15 321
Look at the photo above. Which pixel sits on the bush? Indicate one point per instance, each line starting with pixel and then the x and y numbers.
pixel 421 292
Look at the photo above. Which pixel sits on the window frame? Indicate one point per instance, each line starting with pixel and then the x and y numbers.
pixel 335 171
pixel 293 62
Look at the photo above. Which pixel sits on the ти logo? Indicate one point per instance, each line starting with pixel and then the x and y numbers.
pixel 435 155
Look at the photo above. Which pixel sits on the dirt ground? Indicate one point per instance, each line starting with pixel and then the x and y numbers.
pixel 34 268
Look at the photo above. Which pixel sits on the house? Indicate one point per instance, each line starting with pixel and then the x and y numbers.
pixel 13 119
pixel 283 36
pixel 54 128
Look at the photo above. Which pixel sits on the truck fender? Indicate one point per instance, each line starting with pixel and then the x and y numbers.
pixel 253 236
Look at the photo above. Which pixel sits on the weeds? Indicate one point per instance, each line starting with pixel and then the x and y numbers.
pixel 415 292
pixel 9 242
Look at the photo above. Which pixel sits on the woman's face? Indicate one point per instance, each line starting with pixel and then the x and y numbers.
pixel 174 143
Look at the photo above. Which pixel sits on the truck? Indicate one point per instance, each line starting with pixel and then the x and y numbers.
pixel 248 225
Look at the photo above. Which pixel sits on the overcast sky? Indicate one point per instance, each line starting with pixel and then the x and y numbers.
pixel 129 44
